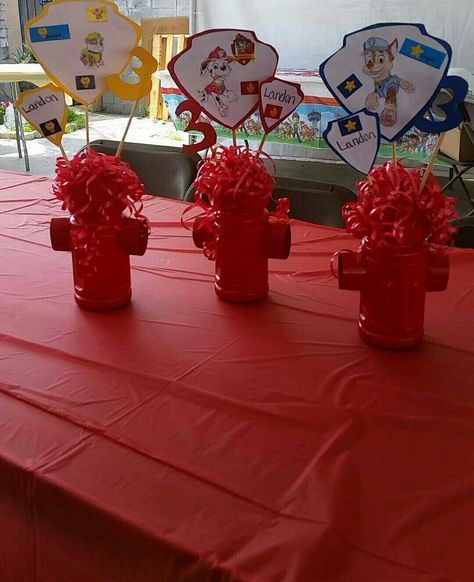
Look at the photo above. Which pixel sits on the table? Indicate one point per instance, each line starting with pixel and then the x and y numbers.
pixel 185 439
pixel 13 74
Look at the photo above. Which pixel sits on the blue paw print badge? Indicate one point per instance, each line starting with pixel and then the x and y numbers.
pixel 394 70
pixel 356 139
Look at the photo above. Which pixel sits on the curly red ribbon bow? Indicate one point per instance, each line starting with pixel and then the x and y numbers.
pixel 391 211
pixel 97 190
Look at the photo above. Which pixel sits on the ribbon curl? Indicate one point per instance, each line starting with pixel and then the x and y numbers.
pixel 98 191
pixel 231 178
pixel 391 211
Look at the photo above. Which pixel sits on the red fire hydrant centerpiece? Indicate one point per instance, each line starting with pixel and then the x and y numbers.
pixel 237 231
pixel 404 232
pixel 103 196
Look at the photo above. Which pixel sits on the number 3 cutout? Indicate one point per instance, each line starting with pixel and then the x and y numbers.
pixel 135 91
pixel 209 133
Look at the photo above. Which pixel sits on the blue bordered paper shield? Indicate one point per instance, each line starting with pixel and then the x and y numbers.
pixel 355 139
pixel 392 69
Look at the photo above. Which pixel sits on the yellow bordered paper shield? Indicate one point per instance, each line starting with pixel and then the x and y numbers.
pixel 79 52
pixel 45 109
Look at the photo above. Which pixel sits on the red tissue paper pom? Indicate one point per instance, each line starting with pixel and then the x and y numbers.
pixel 392 212
pixel 95 187
pixel 231 175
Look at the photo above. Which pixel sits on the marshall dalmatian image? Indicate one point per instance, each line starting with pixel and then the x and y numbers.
pixel 379 61
pixel 217 68
pixel 91 56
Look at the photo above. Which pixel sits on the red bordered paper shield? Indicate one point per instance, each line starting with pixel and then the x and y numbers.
pixel 223 81
pixel 278 99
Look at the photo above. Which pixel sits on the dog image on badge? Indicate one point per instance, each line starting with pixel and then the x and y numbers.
pixel 91 56
pixel 379 56
pixel 50 127
pixel 217 68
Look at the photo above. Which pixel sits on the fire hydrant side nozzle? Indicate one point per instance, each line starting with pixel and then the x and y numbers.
pixel 438 271
pixel 276 240
pixel 351 270
pixel 201 232
pixel 133 236
pixel 60 234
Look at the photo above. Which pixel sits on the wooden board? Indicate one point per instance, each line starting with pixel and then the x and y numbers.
pixel 165 46
pixel 152 26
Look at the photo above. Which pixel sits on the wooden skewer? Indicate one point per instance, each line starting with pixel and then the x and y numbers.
pixel 234 137
pixel 394 153
pixel 122 142
pixel 88 141
pixel 430 165
pixel 64 154
pixel 262 143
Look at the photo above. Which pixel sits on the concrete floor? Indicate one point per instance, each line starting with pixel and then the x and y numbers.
pixel 43 154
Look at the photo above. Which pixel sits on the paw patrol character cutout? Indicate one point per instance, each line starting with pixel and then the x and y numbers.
pixel 221 71
pixel 84 44
pixel 92 55
pixel 392 69
pixel 379 60
pixel 217 68
pixel 295 126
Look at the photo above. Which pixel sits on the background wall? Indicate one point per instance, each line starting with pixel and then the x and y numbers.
pixel 13 24
pixel 305 32
pixel 138 9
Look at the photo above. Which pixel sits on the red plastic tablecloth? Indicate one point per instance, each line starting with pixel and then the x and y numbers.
pixel 185 439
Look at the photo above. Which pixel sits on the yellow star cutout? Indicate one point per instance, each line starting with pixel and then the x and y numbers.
pixel 417 51
pixel 350 86
pixel 350 125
